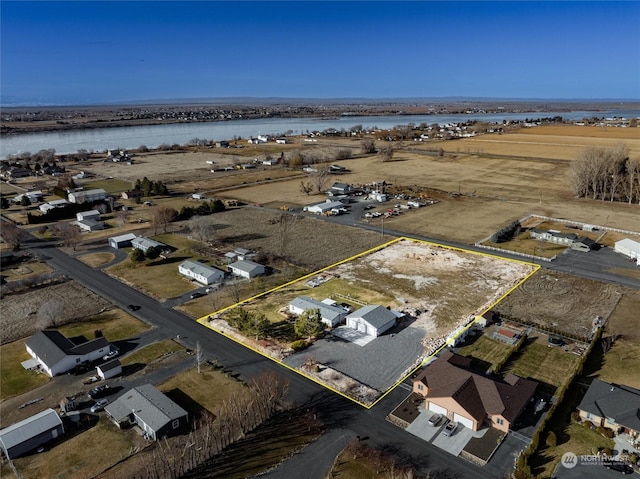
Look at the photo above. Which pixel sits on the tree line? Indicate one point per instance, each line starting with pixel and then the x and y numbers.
pixel 606 174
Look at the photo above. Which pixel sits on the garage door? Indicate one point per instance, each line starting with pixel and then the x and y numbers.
pixel 436 408
pixel 362 327
pixel 463 420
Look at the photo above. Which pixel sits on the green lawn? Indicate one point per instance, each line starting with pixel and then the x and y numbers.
pixel 110 186
pixel 14 379
pixel 209 388
pixel 114 324
pixel 487 350
pixel 550 366
pixel 151 352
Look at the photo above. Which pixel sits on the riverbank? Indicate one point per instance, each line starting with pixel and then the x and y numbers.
pixel 22 120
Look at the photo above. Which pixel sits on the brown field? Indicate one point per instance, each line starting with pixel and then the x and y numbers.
pixel 19 317
pixel 561 301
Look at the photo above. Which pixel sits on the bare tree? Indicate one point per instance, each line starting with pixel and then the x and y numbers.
pixel 199 356
pixel 69 233
pixel 201 227
pixel 632 183
pixel 285 223
pixel 13 235
pixel 306 187
pixel 49 313
pixel 122 216
pixel 162 216
pixel 368 146
pixel 385 154
pixel 320 177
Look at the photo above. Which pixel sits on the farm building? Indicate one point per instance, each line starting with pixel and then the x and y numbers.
pixel 372 320
pixel 341 189
pixel 90 224
pixel 451 389
pixel 583 244
pixel 122 241
pixel 145 244
pixel 246 269
pixel 323 208
pixel 91 214
pixel 109 369
pixel 200 272
pixel 150 410
pixel 55 354
pixel 87 196
pixel 628 247
pixel 52 205
pixel 331 314
pixel 31 433
pixel 131 194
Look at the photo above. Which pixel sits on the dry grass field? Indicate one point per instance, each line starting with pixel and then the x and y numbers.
pixel 561 301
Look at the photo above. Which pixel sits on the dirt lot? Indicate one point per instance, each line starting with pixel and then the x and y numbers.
pixel 561 301
pixel 20 319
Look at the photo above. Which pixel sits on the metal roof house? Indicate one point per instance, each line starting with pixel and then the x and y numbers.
pixel 89 224
pixel 87 196
pixel 331 315
pixel 31 433
pixel 122 241
pixel 57 354
pixel 145 244
pixel 325 207
pixel 372 319
pixel 152 411
pixel 246 269
pixel 200 272
pixel 83 215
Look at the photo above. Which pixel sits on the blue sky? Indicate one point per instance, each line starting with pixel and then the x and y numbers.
pixel 104 52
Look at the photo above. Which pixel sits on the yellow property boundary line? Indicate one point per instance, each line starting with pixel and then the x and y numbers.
pixel 204 319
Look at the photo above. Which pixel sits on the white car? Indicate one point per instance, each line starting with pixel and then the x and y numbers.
pixel 99 405
pixel 110 355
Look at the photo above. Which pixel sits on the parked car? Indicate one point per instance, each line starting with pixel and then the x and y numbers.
pixel 619 466
pixel 99 405
pixel 110 355
pixel 99 391
pixel 133 307
pixel 450 428
pixel 435 419
pixel 196 295
pixel 80 368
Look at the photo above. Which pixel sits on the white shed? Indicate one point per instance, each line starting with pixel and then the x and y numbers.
pixel 628 247
pixel 84 215
pixel 109 369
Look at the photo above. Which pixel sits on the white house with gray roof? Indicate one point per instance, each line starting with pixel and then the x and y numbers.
pixel 200 272
pixel 31 433
pixel 145 244
pixel 55 354
pixel 246 269
pixel 150 410
pixel 372 320
pixel 331 314
pixel 87 196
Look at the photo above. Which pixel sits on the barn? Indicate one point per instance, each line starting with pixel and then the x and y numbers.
pixel 628 247
pixel 31 433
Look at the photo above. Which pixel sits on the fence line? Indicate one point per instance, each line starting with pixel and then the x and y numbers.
pixel 516 253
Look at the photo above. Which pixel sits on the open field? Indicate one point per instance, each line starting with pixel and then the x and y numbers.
pixel 19 317
pixel 14 379
pixel 621 361
pixel 560 301
pixel 97 259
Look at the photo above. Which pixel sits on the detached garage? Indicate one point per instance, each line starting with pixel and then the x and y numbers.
pixel 122 241
pixel 31 433
pixel 372 320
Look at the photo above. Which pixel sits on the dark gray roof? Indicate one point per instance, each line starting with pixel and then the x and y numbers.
pixel 50 346
pixel 113 364
pixel 376 315
pixel 327 311
pixel 148 404
pixel 28 428
pixel 621 403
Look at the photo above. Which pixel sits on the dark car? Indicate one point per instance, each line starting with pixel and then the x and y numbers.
pixel 99 391
pixel 619 466
pixel 435 419
pixel 133 307
pixel 196 295
pixel 450 428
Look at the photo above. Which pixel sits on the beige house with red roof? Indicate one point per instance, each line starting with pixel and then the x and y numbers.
pixel 473 400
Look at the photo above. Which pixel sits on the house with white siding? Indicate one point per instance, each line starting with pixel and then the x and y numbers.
pixel 246 269
pixel 87 196
pixel 331 314
pixel 200 272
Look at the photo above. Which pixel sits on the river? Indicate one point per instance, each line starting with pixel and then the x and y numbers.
pixel 101 139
